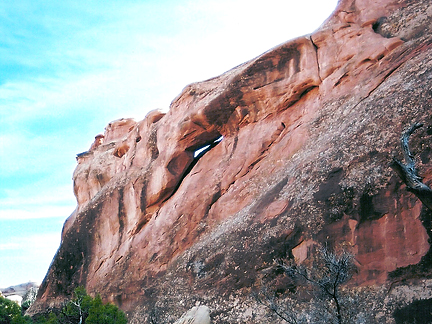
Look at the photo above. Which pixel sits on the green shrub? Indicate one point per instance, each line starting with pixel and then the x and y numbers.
pixel 81 309
pixel 10 313
pixel 100 313
pixel 87 310
pixel 51 318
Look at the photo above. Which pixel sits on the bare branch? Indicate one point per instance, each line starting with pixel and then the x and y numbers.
pixel 408 171
pixel 336 270
pixel 409 158
pixel 270 303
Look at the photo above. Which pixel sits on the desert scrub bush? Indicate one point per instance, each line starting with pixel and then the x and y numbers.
pixel 313 294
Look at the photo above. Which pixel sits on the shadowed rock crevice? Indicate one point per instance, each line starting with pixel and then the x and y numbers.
pixel 372 206
pixel 121 216
pixel 198 152
pixel 336 199
pixel 317 56
pixel 419 311
pixel 377 27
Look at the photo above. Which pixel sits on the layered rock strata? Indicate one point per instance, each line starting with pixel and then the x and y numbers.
pixel 284 152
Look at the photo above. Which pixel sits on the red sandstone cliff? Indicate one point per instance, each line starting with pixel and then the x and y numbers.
pixel 308 131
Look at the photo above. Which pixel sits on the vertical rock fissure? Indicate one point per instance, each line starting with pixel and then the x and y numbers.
pixel 121 216
pixel 317 60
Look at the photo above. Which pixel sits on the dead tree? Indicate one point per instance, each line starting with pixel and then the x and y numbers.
pixel 327 278
pixel 408 172
pixel 269 301
pixel 336 270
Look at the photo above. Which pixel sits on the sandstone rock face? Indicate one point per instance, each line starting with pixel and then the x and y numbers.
pixel 297 143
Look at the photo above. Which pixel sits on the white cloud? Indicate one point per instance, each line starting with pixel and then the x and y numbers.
pixel 37 201
pixel 10 246
pixel 36 213
pixel 39 195
pixel 36 244
pixel 27 258
pixel 24 153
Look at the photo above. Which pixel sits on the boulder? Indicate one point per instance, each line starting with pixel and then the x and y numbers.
pixel 196 315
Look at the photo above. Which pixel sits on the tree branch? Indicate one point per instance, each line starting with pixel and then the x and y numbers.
pixel 409 173
pixel 272 306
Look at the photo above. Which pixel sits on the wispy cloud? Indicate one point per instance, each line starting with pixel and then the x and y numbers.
pixel 10 246
pixel 27 257
pixel 33 243
pixel 56 202
pixel 36 213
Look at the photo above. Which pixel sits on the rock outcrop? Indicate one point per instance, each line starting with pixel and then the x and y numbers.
pixel 284 152
pixel 19 290
pixel 19 293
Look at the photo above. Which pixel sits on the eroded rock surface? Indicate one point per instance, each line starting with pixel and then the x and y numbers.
pixel 308 131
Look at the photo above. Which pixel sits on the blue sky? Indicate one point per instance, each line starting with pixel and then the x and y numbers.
pixel 68 68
